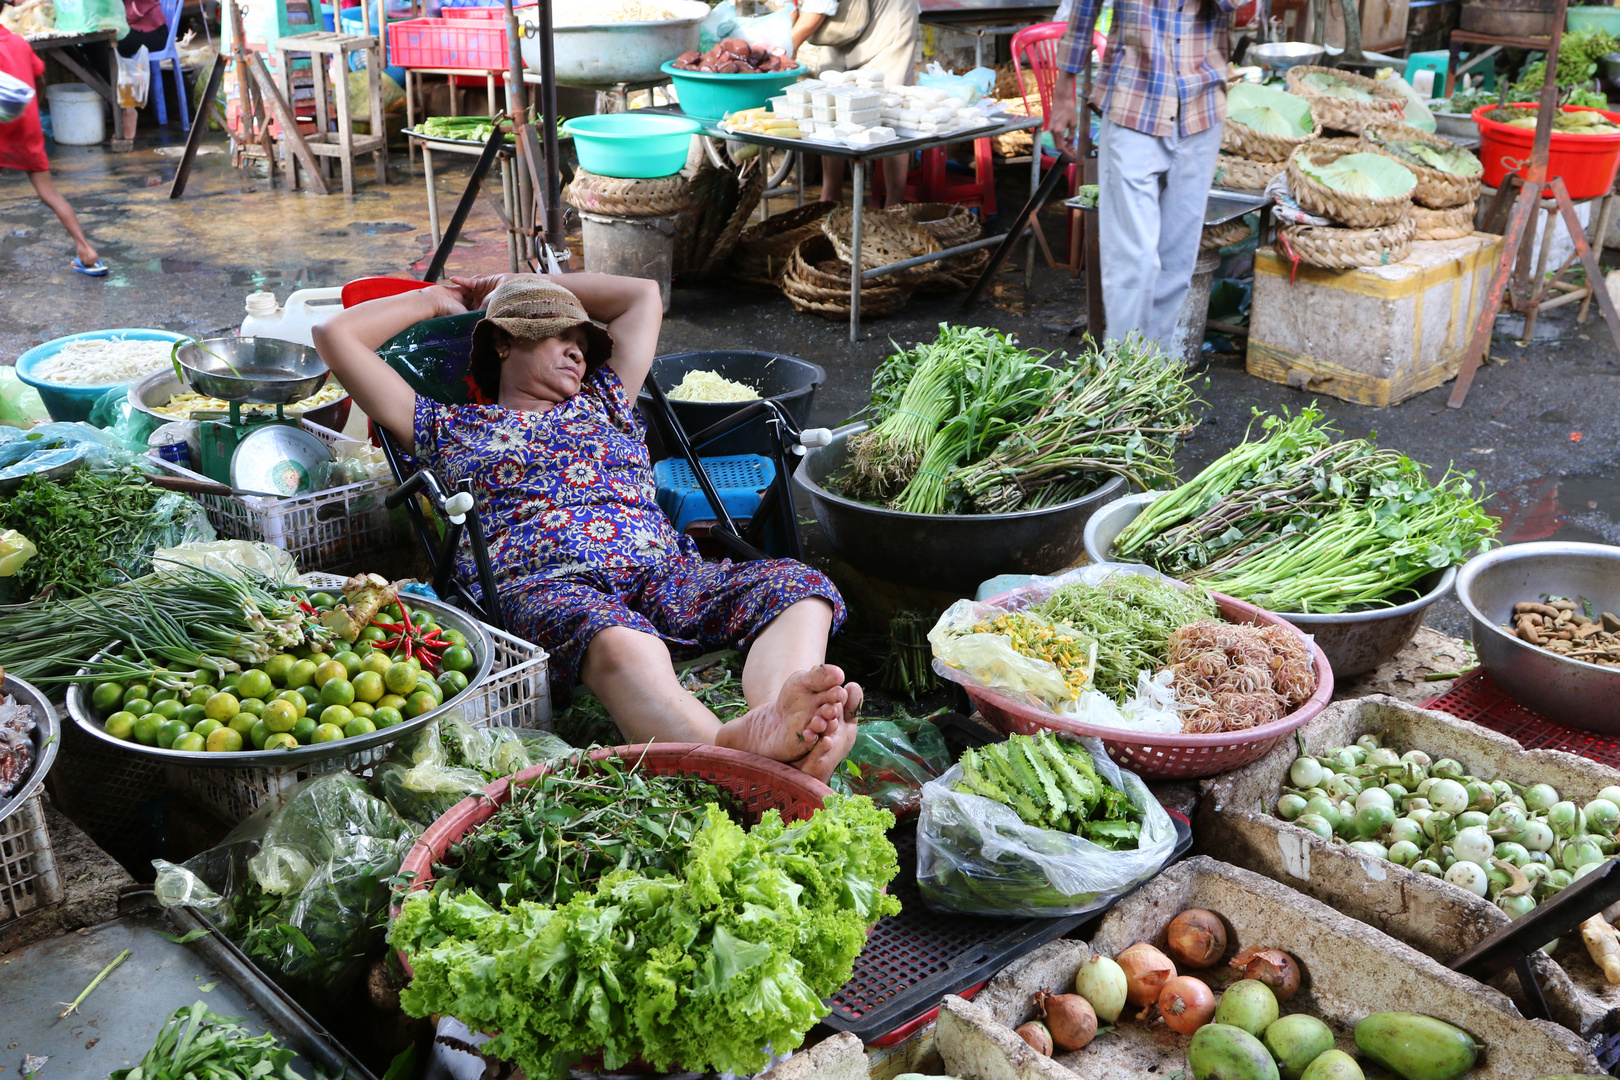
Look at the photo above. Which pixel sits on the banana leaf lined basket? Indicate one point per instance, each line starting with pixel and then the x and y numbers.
pixel 1355 211
pixel 1348 249
pixel 1244 173
pixel 1381 104
pixel 1436 188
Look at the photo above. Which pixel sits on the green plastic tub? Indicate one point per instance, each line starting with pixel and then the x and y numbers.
pixel 632 145
pixel 710 97
pixel 1606 19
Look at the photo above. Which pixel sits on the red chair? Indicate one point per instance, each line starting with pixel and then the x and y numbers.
pixel 1037 46
pixel 931 183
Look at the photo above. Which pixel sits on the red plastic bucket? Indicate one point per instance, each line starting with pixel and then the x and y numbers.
pixel 1586 162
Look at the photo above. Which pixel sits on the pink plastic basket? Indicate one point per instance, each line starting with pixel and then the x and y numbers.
pixel 473 44
pixel 1165 757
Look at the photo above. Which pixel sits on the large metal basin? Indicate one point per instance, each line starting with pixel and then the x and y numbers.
pixel 45 737
pixel 158 387
pixel 1565 691
pixel 1355 642
pixel 945 552
pixel 600 56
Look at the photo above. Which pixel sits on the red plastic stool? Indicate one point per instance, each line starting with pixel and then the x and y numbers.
pixel 931 183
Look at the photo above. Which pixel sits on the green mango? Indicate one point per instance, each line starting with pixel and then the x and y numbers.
pixel 1333 1065
pixel 1417 1047
pixel 1223 1052
pixel 1249 1005
pixel 1296 1041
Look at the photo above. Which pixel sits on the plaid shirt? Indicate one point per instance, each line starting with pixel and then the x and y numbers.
pixel 1165 61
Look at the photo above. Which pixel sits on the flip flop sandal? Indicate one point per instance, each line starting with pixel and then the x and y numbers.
pixel 98 270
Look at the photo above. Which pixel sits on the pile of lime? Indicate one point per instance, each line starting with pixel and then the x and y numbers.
pixel 294 699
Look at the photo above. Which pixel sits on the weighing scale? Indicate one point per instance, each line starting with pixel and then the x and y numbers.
pixel 255 452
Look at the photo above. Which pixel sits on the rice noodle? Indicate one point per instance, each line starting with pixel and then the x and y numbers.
pixel 104 361
pixel 182 406
pixel 711 386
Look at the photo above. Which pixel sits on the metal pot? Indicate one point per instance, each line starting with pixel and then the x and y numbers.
pixel 45 738
pixel 1354 642
pixel 1458 127
pixel 1565 691
pixel 601 56
pixel 1278 56
pixel 158 387
pixel 945 552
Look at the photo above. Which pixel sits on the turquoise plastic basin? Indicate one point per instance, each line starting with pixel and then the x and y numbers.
pixel 710 97
pixel 632 145
pixel 74 402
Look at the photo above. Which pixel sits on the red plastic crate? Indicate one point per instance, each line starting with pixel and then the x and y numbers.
pixel 471 44
pixel 1477 699
pixel 496 12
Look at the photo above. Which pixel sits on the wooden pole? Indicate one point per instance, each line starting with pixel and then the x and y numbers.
pixel 205 109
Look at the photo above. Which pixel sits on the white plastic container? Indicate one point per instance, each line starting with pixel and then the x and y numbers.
pixel 77 114
pixel 861 117
pixel 800 92
pixel 823 113
pixel 294 321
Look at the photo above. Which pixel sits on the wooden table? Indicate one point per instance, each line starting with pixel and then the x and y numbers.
pixel 62 47
pixel 469 148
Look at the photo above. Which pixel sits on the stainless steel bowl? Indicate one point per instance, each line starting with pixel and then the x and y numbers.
pixel 256 370
pixel 361 751
pixel 1354 642
pixel 45 738
pixel 157 388
pixel 1282 55
pixel 1565 691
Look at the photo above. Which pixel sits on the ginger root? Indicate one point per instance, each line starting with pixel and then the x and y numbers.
pixel 1603 945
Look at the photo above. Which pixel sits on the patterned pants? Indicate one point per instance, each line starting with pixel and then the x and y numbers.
pixel 693 605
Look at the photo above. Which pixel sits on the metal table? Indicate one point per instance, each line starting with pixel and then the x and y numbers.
pixel 468 148
pixel 62 47
pixel 858 160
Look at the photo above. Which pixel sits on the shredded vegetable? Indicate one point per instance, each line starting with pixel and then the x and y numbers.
pixel 711 386
pixel 182 406
pixel 104 361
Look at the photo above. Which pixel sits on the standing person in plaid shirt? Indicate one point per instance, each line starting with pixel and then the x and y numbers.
pixel 1162 96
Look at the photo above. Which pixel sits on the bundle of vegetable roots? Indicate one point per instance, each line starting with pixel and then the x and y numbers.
pixel 712 965
pixel 1232 676
pixel 970 423
pixel 1303 520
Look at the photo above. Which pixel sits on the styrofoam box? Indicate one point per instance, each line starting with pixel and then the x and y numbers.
pixel 860 99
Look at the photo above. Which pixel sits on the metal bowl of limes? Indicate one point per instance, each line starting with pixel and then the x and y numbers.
pixel 358 750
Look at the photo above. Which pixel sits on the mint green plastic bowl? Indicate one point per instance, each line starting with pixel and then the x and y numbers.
pixel 708 96
pixel 632 145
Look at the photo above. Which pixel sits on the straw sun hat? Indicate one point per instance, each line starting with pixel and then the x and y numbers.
pixel 532 309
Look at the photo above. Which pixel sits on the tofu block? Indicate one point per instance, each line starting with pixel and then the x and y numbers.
pixel 800 92
pixel 871 137
pixel 861 117
pixel 834 78
pixel 824 96
pixel 823 113
pixel 861 99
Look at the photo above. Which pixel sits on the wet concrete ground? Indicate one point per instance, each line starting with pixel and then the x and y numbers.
pixel 1540 427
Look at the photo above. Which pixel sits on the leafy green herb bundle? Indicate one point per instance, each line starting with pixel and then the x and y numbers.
pixel 196 1042
pixel 1051 783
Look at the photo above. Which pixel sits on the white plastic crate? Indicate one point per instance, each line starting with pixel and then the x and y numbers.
pixel 28 877
pixel 328 528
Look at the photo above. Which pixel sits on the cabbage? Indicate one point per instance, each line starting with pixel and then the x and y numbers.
pixel 1367 175
pixel 1330 85
pixel 1269 111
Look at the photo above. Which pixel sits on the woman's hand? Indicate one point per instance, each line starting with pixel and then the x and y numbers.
pixel 474 291
pixel 446 300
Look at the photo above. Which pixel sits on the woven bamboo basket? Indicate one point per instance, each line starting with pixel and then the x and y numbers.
pixel 817 280
pixel 1218 236
pixel 1435 189
pixel 1450 223
pixel 762 252
pixel 1246 175
pixel 957 273
pixel 750 187
pixel 1244 141
pixel 1341 114
pixel 884 239
pixel 614 197
pixel 1355 211
pixel 949 223
pixel 1349 249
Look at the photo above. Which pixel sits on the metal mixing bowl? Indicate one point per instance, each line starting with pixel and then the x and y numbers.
pixel 157 388
pixel 1279 56
pixel 1565 691
pixel 255 370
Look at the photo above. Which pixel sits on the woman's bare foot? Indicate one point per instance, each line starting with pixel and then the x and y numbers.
pixel 836 742
pixel 787 728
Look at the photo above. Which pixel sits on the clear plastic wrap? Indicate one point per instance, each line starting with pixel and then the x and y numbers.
pixel 891 761
pixel 976 856
pixel 451 760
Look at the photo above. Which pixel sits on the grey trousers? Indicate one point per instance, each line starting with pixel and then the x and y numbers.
pixel 1151 195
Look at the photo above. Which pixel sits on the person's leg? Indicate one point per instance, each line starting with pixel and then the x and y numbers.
pixel 1181 224
pixel 1130 170
pixel 895 170
pixel 46 190
pixel 832 179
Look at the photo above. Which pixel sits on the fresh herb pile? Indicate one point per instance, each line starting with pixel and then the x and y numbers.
pixel 198 1044
pixel 95 528
pixel 1303 520
pixel 1074 657
pixel 561 833
pixel 970 423
pixel 714 966
pixel 1051 783
pixel 1578 55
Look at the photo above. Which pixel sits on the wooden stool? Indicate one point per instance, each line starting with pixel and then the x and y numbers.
pixel 328 49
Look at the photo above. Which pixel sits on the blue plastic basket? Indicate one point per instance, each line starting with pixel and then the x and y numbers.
pixel 75 402
pixel 740 481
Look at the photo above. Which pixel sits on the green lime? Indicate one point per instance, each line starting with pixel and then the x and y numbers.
pixel 243 722
pixel 326 733
pixel 376 663
pixel 192 713
pixel 191 743
pixel 107 696
pixel 368 686
pixel 357 727
pixel 311 696
pixel 454 637
pixel 255 683
pixel 139 706
pixel 400 678
pixel 350 662
pixel 225 740
pixel 424 621
pixel 387 716
pixel 207 727
pixel 304 729
pixel 169 710
pixel 137 690
pixel 361 708
pixel 227 685
pixel 329 670
pixel 120 725
pixel 281 740
pixel 280 715
pixel 419 703
pixel 295 699
pixel 277 667
pixel 146 727
pixel 373 633
pixel 363 649
pixel 336 714
pixel 390 613
pixel 452 683
pixel 426 685
pixel 319 657
pixel 169 732
pixel 301 652
pixel 201 693
pixel 251 705
pixel 322 600
pixel 222 706
pixel 258 734
pixel 165 694
pixel 301 674
pixel 390 701
pixel 337 692
pixel 457 658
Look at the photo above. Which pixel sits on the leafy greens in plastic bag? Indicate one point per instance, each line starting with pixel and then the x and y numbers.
pixel 891 761
pixel 450 760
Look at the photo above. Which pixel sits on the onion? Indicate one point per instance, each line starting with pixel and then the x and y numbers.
pixel 1186 1004
pixel 1273 967
pixel 1146 971
pixel 1035 1034
pixel 1101 982
pixel 1196 938
pixel 1069 1018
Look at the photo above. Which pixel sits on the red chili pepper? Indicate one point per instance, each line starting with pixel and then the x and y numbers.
pixel 395 627
pixel 307 607
pixel 405 617
pixel 407 648
pixel 390 643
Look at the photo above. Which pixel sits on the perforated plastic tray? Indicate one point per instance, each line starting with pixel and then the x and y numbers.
pixel 1477 699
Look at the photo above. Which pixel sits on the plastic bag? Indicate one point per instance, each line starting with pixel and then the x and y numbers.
pixel 451 760
pixel 20 404
pixel 1416 111
pixel 891 761
pixel 967 89
pixel 134 76
pixel 773 31
pixel 14 97
pixel 229 556
pixel 15 549
pixel 976 856
pixel 302 888
pixel 90 16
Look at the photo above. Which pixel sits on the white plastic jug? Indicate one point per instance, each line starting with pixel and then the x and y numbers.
pixel 296 319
